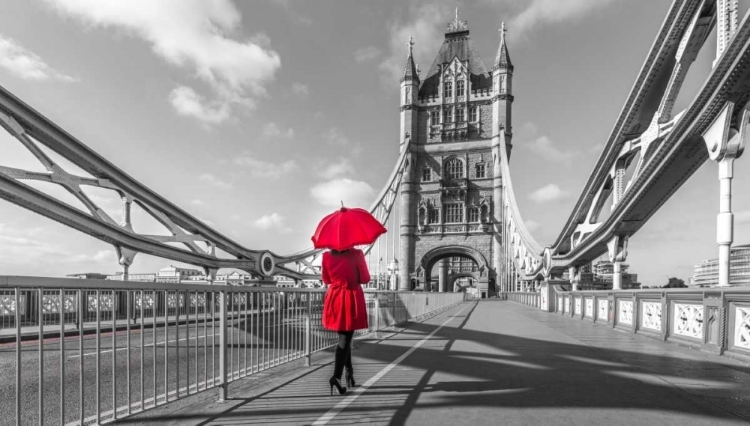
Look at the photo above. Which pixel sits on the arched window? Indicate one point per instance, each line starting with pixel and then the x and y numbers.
pixel 460 88
pixel 448 89
pixel 454 169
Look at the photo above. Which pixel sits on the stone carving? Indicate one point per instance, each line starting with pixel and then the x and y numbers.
pixel 625 315
pixel 742 327
pixel 455 229
pixel 603 308
pixel 688 320
pixel 545 305
pixel 559 302
pixel 651 316
pixel 589 308
pixel 577 306
pixel 567 305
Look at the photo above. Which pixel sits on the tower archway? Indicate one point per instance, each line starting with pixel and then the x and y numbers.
pixel 477 269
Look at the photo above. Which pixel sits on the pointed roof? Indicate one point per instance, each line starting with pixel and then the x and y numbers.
pixel 502 60
pixel 457 44
pixel 410 70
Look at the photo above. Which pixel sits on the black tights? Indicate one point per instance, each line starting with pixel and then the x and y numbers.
pixel 343 353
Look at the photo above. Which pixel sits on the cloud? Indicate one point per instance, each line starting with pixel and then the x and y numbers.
pixel 190 104
pixel 273 221
pixel 597 148
pixel 352 193
pixel 335 137
pixel 264 169
pixel 214 181
pixel 197 202
pixel 335 169
pixel 548 193
pixel 26 64
pixel 546 148
pixel 300 89
pixel 426 25
pixel 194 35
pixel 368 53
pixel 540 12
pixel 271 130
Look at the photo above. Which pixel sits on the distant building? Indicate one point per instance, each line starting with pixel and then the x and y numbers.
pixel 599 276
pixel 149 278
pixel 706 273
pixel 89 276
pixel 173 274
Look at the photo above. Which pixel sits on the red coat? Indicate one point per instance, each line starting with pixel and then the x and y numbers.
pixel 344 306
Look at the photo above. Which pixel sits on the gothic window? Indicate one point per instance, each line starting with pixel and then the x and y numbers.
pixel 426 174
pixel 460 88
pixel 435 117
pixel 481 171
pixel 473 214
pixel 434 215
pixel 448 89
pixel 460 115
pixel 454 169
pixel 473 114
pixel 454 213
pixel 448 116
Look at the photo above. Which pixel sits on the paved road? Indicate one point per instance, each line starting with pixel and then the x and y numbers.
pixel 192 358
pixel 495 362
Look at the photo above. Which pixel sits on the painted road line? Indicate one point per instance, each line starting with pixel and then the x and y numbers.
pixel 327 417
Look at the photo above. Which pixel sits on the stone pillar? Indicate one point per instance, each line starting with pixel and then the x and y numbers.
pixel 725 220
pixel 408 225
pixel 443 275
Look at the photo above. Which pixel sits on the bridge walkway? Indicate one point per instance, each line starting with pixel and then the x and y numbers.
pixel 491 362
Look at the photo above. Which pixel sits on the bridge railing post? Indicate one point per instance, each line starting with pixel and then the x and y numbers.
pixel 377 315
pixel 223 345
pixel 308 330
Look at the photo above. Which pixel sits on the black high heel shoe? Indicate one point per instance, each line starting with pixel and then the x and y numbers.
pixel 350 379
pixel 335 382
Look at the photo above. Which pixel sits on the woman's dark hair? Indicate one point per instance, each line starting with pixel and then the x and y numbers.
pixel 338 252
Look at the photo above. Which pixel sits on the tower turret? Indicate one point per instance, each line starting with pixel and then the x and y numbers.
pixel 502 85
pixel 409 98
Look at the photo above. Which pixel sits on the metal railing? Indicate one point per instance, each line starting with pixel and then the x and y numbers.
pixel 715 320
pixel 93 351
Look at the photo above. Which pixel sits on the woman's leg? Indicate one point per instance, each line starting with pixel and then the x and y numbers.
pixel 348 359
pixel 341 350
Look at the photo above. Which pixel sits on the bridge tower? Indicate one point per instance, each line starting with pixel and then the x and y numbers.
pixel 451 189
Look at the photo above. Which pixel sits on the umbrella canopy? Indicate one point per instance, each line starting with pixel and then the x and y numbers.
pixel 346 228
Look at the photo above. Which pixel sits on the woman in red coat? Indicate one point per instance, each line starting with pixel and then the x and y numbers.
pixel 344 308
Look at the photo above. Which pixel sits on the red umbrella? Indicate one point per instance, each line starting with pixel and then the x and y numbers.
pixel 346 228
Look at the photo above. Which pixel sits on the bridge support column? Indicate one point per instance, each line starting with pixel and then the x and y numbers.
pixel 617 277
pixel 442 275
pixel 725 143
pixel 618 252
pixel 575 277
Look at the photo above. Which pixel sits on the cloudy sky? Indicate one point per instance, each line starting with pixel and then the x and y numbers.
pixel 258 117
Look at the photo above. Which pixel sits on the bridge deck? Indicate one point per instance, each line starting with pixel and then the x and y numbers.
pixel 493 362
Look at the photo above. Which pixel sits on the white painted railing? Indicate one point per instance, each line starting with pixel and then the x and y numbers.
pixel 93 351
pixel 714 320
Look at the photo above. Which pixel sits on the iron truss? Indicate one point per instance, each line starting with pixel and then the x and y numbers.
pixel 657 149
pixel 191 241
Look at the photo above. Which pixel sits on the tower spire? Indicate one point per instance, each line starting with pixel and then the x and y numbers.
pixel 410 70
pixel 502 60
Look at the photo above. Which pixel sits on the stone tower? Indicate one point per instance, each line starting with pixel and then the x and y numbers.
pixel 451 189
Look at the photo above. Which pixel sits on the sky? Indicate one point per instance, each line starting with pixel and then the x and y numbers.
pixel 259 117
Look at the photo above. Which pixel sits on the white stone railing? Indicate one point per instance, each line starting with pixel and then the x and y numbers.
pixel 713 320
